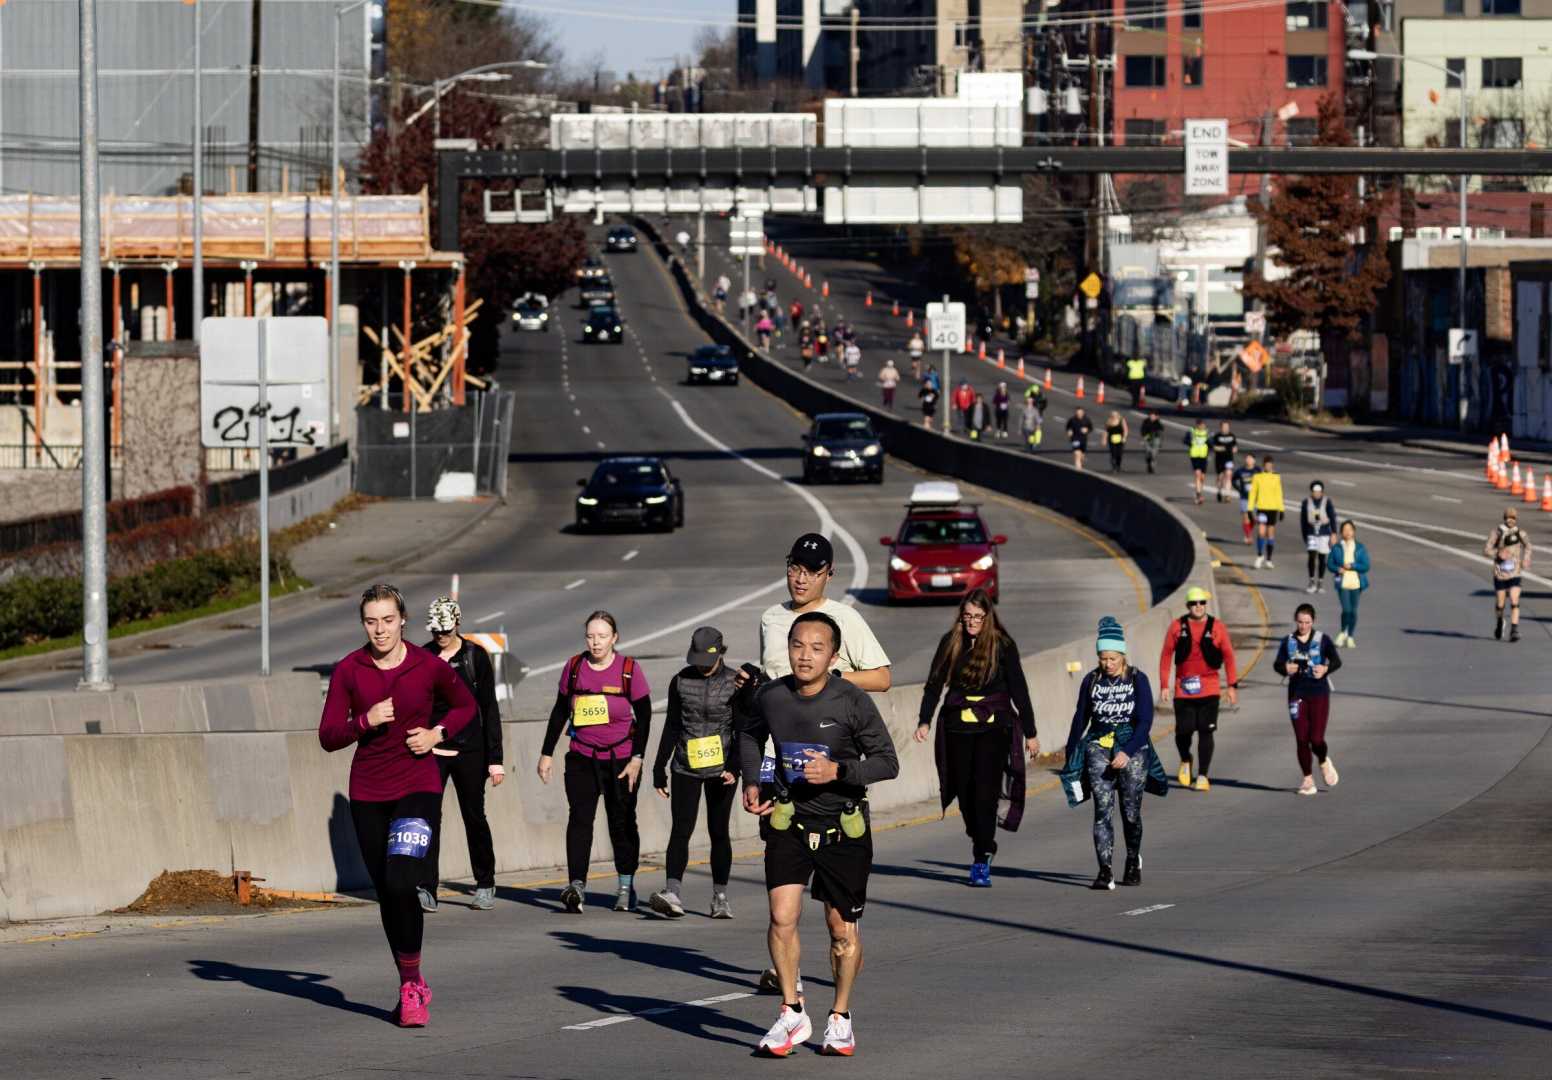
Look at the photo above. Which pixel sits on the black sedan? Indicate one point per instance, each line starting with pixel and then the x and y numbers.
pixel 622 239
pixel 713 364
pixel 603 324
pixel 598 290
pixel 636 491
pixel 842 445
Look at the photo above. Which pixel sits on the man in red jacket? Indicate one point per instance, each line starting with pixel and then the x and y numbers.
pixel 1195 651
pixel 964 401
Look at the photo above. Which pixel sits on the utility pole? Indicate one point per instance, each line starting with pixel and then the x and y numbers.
pixel 199 173
pixel 254 34
pixel 94 428
pixel 1264 195
pixel 855 54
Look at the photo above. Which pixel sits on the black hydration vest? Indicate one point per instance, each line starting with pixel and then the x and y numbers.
pixel 707 712
pixel 1210 651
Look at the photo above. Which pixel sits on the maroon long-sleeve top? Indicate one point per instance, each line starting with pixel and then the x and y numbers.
pixel 383 768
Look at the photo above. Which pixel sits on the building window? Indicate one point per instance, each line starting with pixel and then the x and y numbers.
pixel 1504 72
pixel 1303 131
pixel 1144 132
pixel 1191 17
pixel 1144 71
pixel 1452 133
pixel 1500 7
pixel 1308 71
pixel 1306 14
pixel 1454 7
pixel 1456 66
pixel 1191 70
pixel 1145 14
pixel 1501 133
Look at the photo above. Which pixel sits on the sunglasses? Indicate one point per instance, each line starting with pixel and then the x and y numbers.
pixel 1196 603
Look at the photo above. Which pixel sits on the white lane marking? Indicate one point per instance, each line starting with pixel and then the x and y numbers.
pixel 573 397
pixel 487 618
pixel 1470 556
pixel 1445 498
pixel 600 446
pixel 576 584
pixel 1341 483
pixel 827 524
pixel 607 1021
pixel 576 412
pixel 629 555
pixel 1147 910
pixel 586 430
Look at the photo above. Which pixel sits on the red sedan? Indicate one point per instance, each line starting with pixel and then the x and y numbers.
pixel 942 549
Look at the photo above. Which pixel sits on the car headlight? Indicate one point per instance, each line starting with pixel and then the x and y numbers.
pixel 587 329
pixel 544 316
pixel 985 562
pixel 656 500
pixel 821 451
pixel 616 329
pixel 586 500
pixel 871 451
pixel 897 563
pixel 697 371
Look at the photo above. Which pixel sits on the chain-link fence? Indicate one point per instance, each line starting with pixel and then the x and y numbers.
pixel 418 455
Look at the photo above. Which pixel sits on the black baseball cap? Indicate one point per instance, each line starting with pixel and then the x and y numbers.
pixel 706 646
pixel 812 552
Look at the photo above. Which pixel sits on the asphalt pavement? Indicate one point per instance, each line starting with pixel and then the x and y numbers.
pixel 1393 925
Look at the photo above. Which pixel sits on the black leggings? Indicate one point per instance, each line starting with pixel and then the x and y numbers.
pixel 587 779
pixel 396 876
pixel 1199 717
pixel 468 773
pixel 1317 565
pixel 685 798
pixel 975 765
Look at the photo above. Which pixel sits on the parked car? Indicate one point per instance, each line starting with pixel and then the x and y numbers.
pixel 942 548
pixel 842 445
pixel 713 364
pixel 622 239
pixel 639 491
pixel 603 324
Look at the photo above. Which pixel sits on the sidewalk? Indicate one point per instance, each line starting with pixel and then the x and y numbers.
pixel 1468 444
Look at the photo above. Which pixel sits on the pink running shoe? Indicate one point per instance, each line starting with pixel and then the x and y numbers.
pixel 413 999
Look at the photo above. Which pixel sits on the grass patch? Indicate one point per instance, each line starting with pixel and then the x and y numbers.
pixel 242 599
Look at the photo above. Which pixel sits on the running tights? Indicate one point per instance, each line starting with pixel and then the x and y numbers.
pixel 588 780
pixel 1309 716
pixel 685 799
pixel 976 761
pixel 396 876
pixel 1317 565
pixel 468 773
pixel 1348 598
pixel 1199 717
pixel 1106 783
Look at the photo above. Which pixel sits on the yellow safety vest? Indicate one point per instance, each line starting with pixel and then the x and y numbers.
pixel 1198 443
pixel 1137 370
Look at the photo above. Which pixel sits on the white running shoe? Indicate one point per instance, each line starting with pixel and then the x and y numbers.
pixel 770 983
pixel 839 1038
pixel 1270 565
pixel 1328 771
pixel 1308 787
pixel 789 1032
pixel 1260 561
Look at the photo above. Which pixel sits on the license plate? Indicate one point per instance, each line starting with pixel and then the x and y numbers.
pixel 716 375
pixel 942 581
pixel 846 463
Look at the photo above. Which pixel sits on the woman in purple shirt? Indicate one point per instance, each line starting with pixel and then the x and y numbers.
pixel 604 703
pixel 381 698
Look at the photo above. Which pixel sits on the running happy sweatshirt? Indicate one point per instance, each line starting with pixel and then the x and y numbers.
pixel 383 768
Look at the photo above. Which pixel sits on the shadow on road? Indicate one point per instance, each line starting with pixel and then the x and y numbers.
pixel 700 1021
pixel 308 985
pixel 1246 785
pixel 957 873
pixel 657 955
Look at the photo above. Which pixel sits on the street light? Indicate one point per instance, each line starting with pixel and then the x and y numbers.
pixel 1460 78
pixel 335 382
pixel 483 73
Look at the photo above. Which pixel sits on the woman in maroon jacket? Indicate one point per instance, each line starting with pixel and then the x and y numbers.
pixel 380 698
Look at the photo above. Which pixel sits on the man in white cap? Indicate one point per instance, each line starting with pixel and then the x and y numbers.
pixel 1194 652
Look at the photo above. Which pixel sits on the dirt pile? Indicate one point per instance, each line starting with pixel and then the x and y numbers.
pixel 185 892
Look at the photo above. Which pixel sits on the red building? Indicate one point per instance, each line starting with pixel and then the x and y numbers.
pixel 1224 59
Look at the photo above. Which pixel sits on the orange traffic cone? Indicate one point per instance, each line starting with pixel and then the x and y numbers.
pixel 1142 399
pixel 1002 361
pixel 1080 386
pixel 1516 484
pixel 1021 367
pixel 1492 455
pixel 1501 482
pixel 1099 398
pixel 896 309
pixel 808 280
pixel 981 354
pixel 1546 493
pixel 1530 485
pixel 910 316
pixel 869 301
pixel 1048 378
pixel 824 289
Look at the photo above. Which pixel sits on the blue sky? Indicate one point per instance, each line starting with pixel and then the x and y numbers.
pixel 641 36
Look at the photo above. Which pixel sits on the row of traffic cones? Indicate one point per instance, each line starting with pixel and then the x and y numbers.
pixel 1505 474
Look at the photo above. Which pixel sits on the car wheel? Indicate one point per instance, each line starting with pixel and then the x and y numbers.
pixel 733 381
pixel 878 477
pixel 679 516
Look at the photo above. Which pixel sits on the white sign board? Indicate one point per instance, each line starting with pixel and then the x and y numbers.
pixel 946 326
pixel 297 374
pixel 1255 323
pixel 1463 346
pixel 1031 283
pixel 1207 157
pixel 746 235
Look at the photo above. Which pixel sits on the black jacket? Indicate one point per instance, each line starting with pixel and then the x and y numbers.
pixel 699 706
pixel 473 665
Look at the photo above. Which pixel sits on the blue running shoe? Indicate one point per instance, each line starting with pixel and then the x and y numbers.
pixel 980 875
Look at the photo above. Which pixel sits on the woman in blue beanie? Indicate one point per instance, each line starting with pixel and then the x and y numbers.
pixel 1108 751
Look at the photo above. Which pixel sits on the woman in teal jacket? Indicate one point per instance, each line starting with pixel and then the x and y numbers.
pixel 1349 566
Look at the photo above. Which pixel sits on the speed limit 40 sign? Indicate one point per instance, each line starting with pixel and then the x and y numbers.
pixel 946 326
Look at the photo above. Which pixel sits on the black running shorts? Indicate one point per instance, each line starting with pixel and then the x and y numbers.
pixel 1198 464
pixel 1196 714
pixel 839 870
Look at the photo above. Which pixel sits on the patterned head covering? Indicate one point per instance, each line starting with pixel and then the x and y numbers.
pixel 444 615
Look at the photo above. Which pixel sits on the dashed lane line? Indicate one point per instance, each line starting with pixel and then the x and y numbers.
pixel 629 555
pixel 1150 909
pixel 577 584
pixel 488 618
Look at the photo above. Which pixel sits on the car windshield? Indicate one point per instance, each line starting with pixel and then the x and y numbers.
pixel 603 313
pixel 854 428
pixel 943 531
pixel 601 283
pixel 619 474
pixel 712 352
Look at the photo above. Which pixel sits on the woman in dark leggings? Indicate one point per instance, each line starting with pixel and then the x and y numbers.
pixel 1308 658
pixel 381 698
pixel 987 707
pixel 698 740
pixel 604 702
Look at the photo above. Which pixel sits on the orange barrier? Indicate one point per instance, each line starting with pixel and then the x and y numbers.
pixel 1516 482
pixel 1530 485
pixel 1546 493
pixel 1080 386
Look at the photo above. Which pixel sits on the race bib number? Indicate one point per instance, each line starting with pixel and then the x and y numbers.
pixel 589 710
pixel 1191 684
pixel 793 759
pixel 1506 566
pixel 409 836
pixel 767 770
pixel 704 753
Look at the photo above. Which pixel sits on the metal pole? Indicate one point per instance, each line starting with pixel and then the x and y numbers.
pixel 334 256
pixel 436 109
pixel 262 411
pixel 94 457
pixel 700 247
pixel 1465 369
pixel 743 297
pixel 199 176
pixel 948 382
